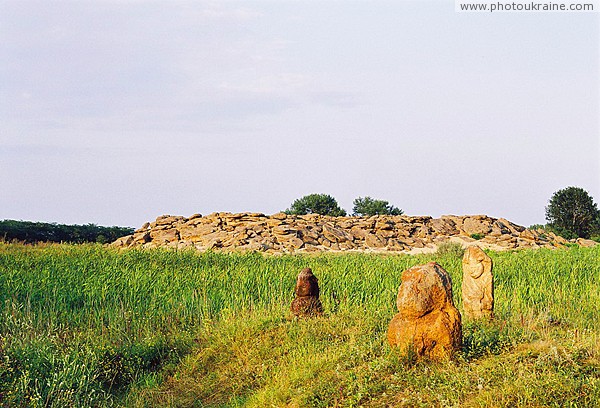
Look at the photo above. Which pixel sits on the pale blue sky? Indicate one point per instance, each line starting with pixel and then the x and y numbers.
pixel 115 112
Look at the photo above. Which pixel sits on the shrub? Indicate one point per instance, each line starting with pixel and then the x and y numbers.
pixel 453 249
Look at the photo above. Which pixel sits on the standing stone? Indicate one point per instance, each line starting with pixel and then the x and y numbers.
pixel 306 302
pixel 477 284
pixel 427 322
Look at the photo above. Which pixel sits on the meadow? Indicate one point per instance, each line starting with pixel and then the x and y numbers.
pixel 88 325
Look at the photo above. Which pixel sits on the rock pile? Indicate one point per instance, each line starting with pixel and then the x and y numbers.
pixel 289 233
pixel 427 322
pixel 477 284
pixel 306 302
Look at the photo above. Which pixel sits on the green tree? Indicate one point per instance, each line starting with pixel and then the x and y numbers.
pixel 572 212
pixel 323 204
pixel 370 206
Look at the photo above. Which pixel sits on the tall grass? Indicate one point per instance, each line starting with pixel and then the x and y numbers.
pixel 84 325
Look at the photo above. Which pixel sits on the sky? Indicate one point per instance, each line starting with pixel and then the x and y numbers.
pixel 116 112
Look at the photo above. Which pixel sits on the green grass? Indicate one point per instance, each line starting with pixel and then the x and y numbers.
pixel 86 325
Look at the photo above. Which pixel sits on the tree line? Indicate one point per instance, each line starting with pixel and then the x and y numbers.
pixel 32 232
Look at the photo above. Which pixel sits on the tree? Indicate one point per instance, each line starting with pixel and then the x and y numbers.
pixel 572 211
pixel 316 204
pixel 370 206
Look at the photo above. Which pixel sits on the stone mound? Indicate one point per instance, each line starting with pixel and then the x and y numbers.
pixel 280 233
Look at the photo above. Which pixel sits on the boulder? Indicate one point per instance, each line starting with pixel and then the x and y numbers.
pixel 444 226
pixel 374 241
pixel 165 235
pixel 427 322
pixel 477 284
pixel 306 302
pixel 476 224
pixel 586 242
pixel 335 234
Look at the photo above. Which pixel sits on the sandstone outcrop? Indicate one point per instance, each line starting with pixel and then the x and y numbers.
pixel 477 284
pixel 306 303
pixel 427 322
pixel 308 233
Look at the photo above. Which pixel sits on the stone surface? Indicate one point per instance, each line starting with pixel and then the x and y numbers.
pixel 586 242
pixel 427 322
pixel 477 284
pixel 281 232
pixel 306 302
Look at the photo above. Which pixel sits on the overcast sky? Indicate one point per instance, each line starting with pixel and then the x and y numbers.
pixel 115 112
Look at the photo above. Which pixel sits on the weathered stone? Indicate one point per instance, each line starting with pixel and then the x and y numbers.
pixel 124 241
pixel 306 302
pixel 335 234
pixel 358 232
pixel 558 239
pixel 346 245
pixel 308 236
pixel 586 242
pixel 395 245
pixel 273 222
pixel 444 226
pixel 216 238
pixel 422 232
pixel 293 243
pixel 384 224
pixel 346 224
pixel 142 238
pixel 283 229
pixel 499 228
pixel 386 234
pixel 427 322
pixel 374 241
pixel 143 228
pixel 168 219
pixel 528 234
pixel 477 284
pixel 514 228
pixel 194 233
pixel 165 235
pixel 325 242
pixel 476 224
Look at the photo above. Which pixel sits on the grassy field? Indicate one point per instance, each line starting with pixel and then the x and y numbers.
pixel 86 325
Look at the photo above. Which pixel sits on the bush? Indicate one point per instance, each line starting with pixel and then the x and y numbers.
pixel 369 206
pixel 323 204
pixel 453 249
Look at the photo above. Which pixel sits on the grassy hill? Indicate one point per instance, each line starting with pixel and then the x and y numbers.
pixel 86 325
